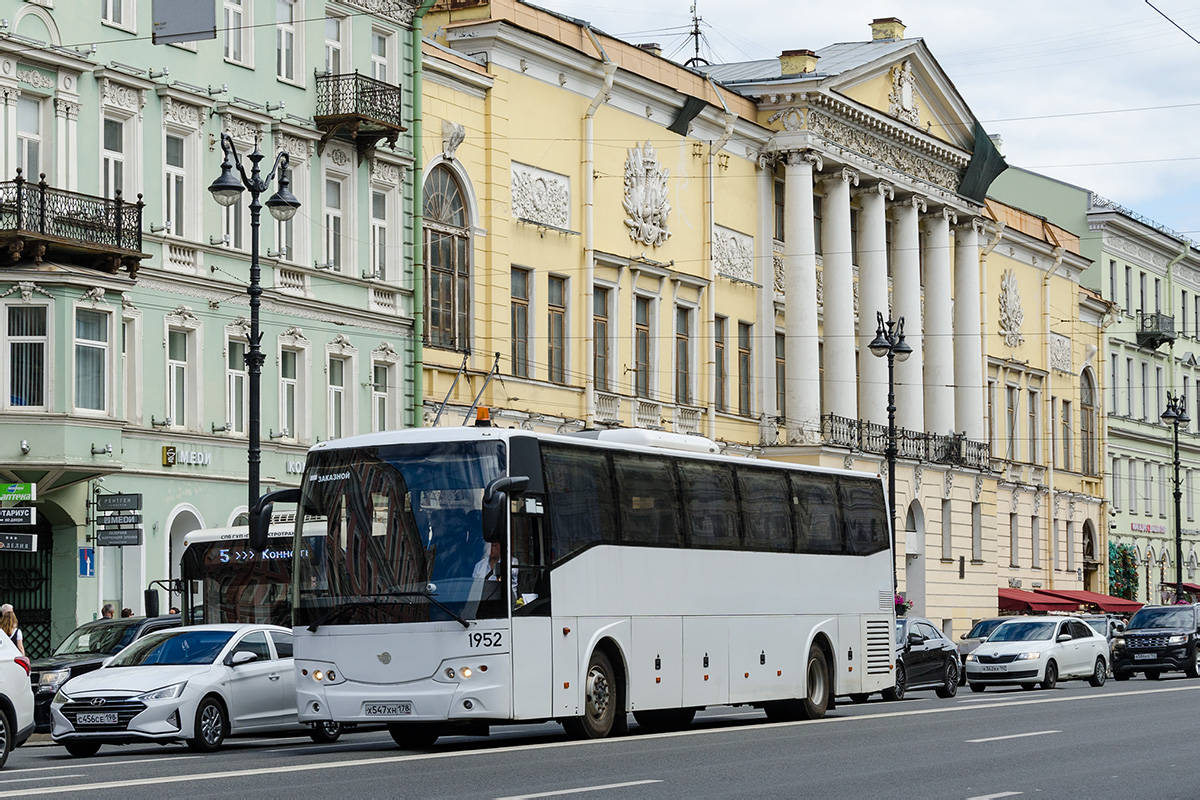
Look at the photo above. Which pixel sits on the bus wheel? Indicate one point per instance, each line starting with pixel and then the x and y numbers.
pixel 814 706
pixel 664 719
pixel 601 697
pixel 414 735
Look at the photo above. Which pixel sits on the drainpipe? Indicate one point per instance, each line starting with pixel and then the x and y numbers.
pixel 1047 399
pixel 589 250
pixel 418 216
pixel 710 319
pixel 1171 305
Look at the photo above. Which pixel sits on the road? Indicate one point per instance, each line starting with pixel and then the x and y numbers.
pixel 1133 739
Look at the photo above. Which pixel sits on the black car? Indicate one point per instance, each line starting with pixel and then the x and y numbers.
pixel 1159 639
pixel 83 651
pixel 925 659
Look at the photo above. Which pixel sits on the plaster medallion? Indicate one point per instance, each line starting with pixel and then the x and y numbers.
pixel 646 196
pixel 541 196
pixel 733 254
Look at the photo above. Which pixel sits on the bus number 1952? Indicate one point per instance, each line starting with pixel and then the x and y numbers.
pixel 486 639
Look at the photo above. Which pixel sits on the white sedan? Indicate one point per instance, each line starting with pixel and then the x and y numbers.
pixel 1029 651
pixel 197 684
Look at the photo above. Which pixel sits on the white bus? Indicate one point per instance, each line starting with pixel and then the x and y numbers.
pixel 226 580
pixel 465 577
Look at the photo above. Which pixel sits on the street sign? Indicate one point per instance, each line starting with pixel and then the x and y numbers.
pixel 87 562
pixel 117 502
pixel 19 542
pixel 18 491
pixel 120 519
pixel 18 516
pixel 117 537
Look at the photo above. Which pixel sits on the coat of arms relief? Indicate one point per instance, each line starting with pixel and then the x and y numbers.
pixel 646 196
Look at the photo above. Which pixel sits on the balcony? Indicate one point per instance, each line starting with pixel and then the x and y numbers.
pixel 872 437
pixel 38 221
pixel 1154 329
pixel 359 109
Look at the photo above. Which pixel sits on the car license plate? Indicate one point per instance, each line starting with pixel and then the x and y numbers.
pixel 995 668
pixel 96 719
pixel 388 709
pixel 1145 656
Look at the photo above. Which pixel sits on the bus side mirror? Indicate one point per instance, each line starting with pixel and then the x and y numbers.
pixel 495 498
pixel 260 514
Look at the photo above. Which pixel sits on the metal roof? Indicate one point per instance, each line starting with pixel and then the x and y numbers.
pixel 832 60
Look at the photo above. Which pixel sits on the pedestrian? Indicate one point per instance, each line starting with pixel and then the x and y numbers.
pixel 107 611
pixel 8 624
pixel 126 612
pixel 172 610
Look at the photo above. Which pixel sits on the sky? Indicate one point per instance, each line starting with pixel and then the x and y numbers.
pixel 1097 93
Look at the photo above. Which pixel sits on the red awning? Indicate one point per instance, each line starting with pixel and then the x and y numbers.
pixel 1190 587
pixel 1021 600
pixel 1104 602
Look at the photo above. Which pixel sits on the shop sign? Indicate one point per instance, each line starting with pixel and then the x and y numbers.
pixel 294 467
pixel 119 520
pixel 18 491
pixel 119 502
pixel 18 516
pixel 19 542
pixel 118 537
pixel 1145 527
pixel 171 456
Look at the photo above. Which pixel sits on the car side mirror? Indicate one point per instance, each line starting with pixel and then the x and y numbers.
pixel 963 637
pixel 242 657
pixel 915 638
pixel 1064 637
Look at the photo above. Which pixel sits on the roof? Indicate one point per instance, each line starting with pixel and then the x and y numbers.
pixel 832 60
pixel 1021 600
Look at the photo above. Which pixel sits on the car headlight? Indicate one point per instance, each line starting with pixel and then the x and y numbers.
pixel 971 657
pixel 51 680
pixel 1180 638
pixel 1118 641
pixel 1028 656
pixel 60 697
pixel 165 693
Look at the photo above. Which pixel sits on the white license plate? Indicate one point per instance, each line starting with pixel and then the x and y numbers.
pixel 995 668
pixel 387 709
pixel 96 719
pixel 1145 656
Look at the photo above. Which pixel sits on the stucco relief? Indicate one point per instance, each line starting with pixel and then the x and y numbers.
pixel 646 196
pixel 777 265
pixel 240 128
pixel 902 102
pixel 35 78
pixel 1060 353
pixel 386 172
pixel 1132 248
pixel 453 135
pixel 339 157
pixel 294 146
pixel 181 113
pixel 791 118
pixel 541 196
pixel 396 10
pixel 1011 315
pixel 733 254
pixel 122 96
pixel 883 151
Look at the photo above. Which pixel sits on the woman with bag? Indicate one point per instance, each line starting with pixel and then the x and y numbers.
pixel 8 624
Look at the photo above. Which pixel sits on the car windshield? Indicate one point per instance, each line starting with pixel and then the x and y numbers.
pixel 1033 630
pixel 105 639
pixel 173 647
pixel 982 629
pixel 1166 617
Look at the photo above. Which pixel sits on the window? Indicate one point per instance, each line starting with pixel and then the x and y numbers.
pixel 991 415
pixel 333 45
pixel 720 331
pixel 1089 462
pixel 600 367
pixel 285 40
pixel 379 238
pixel 447 254
pixel 1133 487
pixel 520 322
pixel 29 137
pixel 641 338
pixel 556 333
pixel 236 404
pixel 235 34
pixel 1116 361
pixel 1055 545
pixel 1070 545
pixel 131 363
pixel 1128 290
pixel 683 355
pixel 1112 281
pixel 977 532
pixel 174 190
pixel 177 378
pixel 333 223
pixel 1147 494
pixel 1011 401
pixel 1034 408
pixel 28 346
pixel 381 419
pixel 381 45
pixel 1183 304
pixel 112 11
pixel 285 230
pixel 1145 391
pixel 288 379
pixel 744 373
pixel 337 397
pixel 1162 490
pixel 1035 535
pixel 113 158
pixel 1142 292
pixel 1159 401
pixel 947 532
pixel 1014 532
pixel 780 373
pixel 1129 387
pixel 231 226
pixel 1158 295
pixel 1116 483
pixel 855 226
pixel 1067 444
pixel 91 360
pixel 779 216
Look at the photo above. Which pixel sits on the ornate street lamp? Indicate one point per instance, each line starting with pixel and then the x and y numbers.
pixel 1176 415
pixel 227 190
pixel 889 342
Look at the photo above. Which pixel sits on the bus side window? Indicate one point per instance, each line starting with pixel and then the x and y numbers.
pixel 865 515
pixel 580 500
pixel 647 499
pixel 764 497
pixel 818 521
pixel 708 494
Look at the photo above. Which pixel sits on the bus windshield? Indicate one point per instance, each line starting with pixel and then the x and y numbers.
pixel 394 533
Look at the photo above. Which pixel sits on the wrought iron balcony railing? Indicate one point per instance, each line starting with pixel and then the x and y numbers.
pixel 872 437
pixel 1154 329
pixel 359 108
pixel 37 220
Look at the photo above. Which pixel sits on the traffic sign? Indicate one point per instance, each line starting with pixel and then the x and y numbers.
pixel 87 562
pixel 18 491
pixel 118 537
pixel 117 502
pixel 120 519
pixel 19 542
pixel 18 516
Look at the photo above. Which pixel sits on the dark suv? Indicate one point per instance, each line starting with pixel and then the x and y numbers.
pixel 83 651
pixel 1159 639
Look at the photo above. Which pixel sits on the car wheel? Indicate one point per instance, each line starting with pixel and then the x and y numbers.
pixel 1152 674
pixel 6 737
pixel 1192 670
pixel 949 687
pixel 1029 687
pixel 414 735
pixel 325 732
pixel 1099 672
pixel 1051 678
pixel 859 698
pixel 897 691
pixel 211 727
pixel 976 687
pixel 1121 675
pixel 82 749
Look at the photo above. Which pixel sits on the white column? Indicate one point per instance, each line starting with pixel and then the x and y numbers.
pixel 839 384
pixel 10 136
pixel 764 274
pixel 968 351
pixel 802 391
pixel 872 299
pixel 939 346
pixel 906 303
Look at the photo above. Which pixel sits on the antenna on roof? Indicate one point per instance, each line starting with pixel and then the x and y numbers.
pixel 695 60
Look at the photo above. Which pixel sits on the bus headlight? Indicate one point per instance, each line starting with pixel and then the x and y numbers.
pixel 465 672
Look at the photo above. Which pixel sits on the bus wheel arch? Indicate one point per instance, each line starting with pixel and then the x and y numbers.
pixel 604 709
pixel 819 663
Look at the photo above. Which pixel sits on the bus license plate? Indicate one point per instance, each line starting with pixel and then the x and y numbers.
pixel 388 709
pixel 96 719
pixel 1145 656
pixel 995 668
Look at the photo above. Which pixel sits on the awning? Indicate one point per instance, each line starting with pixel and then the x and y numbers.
pixel 1190 587
pixel 1021 600
pixel 1104 602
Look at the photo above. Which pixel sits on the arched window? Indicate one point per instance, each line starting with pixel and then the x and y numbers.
pixel 1087 422
pixel 448 259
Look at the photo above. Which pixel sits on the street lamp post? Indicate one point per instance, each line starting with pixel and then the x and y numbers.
pixel 889 342
pixel 1176 415
pixel 227 190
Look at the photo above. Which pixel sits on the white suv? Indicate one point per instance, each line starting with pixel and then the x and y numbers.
pixel 16 698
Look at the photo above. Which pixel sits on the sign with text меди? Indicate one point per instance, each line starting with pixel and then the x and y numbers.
pixel 118 537
pixel 119 502
pixel 18 516
pixel 18 542
pixel 18 491
pixel 120 520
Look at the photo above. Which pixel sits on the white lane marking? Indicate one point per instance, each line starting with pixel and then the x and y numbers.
pixel 994 796
pixel 381 760
pixel 43 778
pixel 1013 736
pixel 91 765
pixel 581 790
